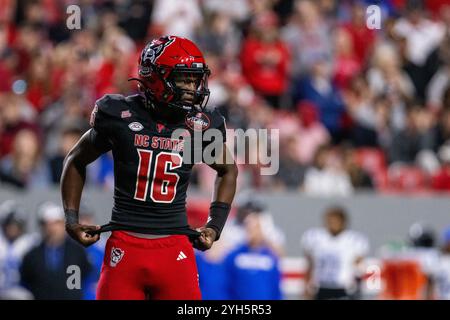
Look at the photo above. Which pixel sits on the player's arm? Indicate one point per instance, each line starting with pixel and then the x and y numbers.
pixel 88 148
pixel 429 287
pixel 309 290
pixel 223 194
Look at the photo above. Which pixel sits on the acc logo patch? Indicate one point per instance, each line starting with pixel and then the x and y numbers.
pixel 135 126
pixel 198 121
pixel 116 255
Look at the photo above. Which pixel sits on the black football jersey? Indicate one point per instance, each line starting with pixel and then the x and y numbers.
pixel 151 175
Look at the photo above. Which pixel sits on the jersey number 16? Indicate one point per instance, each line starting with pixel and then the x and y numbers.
pixel 163 184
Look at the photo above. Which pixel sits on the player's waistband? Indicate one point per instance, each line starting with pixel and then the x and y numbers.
pixel 147 236
pixel 165 242
pixel 110 227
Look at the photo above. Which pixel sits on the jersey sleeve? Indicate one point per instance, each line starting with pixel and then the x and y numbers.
pixel 102 115
pixel 220 124
pixel 100 142
pixel 101 121
pixel 306 242
pixel 361 245
pixel 214 137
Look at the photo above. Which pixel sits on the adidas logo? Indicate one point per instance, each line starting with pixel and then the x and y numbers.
pixel 181 256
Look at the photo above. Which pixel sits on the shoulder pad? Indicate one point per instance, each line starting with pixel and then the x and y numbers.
pixel 112 104
pixel 216 118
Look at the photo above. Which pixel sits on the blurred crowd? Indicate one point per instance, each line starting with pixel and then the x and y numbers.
pixel 357 108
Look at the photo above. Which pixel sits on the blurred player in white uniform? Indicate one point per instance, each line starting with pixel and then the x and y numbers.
pixel 14 244
pixel 441 279
pixel 334 256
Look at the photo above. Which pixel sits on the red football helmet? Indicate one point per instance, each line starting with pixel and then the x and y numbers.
pixel 163 59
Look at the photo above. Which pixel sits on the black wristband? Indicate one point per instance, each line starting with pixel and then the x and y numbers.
pixel 71 216
pixel 218 214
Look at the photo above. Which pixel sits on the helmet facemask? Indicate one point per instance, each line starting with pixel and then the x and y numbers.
pixel 194 98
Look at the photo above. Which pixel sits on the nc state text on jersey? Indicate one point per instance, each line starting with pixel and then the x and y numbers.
pixel 143 140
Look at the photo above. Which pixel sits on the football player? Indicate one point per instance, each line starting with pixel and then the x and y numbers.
pixel 442 270
pixel 149 254
pixel 334 256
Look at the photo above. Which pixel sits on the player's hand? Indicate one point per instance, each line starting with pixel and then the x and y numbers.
pixel 309 293
pixel 206 239
pixel 80 233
